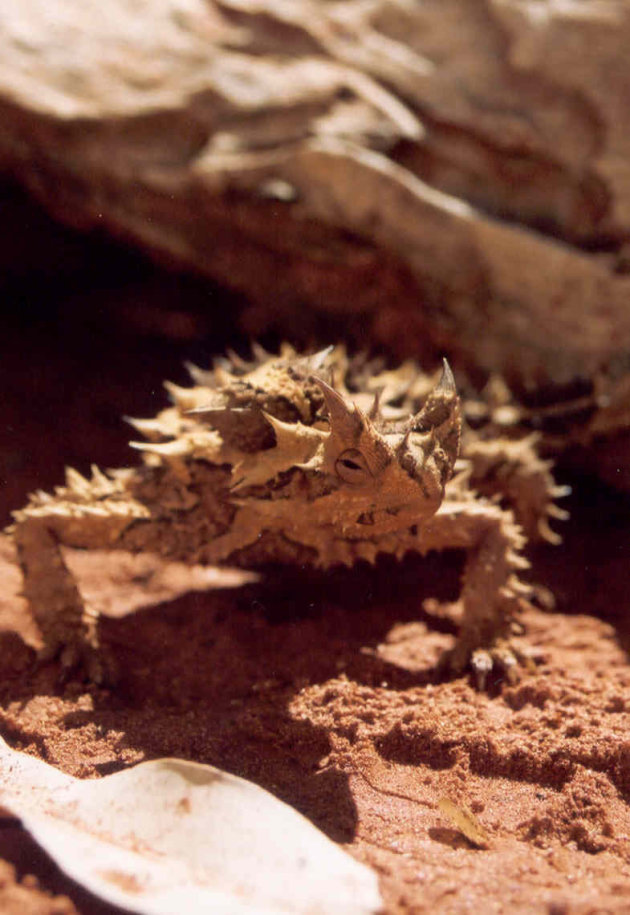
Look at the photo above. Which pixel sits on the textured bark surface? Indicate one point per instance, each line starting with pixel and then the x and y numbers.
pixel 449 175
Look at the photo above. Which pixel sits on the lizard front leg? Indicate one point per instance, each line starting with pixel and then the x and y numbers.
pixel 491 592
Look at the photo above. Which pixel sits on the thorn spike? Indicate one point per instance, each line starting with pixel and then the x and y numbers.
pixel 518 587
pixel 447 379
pixel 174 449
pixel 75 481
pixel 547 534
pixel 223 378
pixel 278 425
pixel 518 562
pixel 318 359
pixel 98 476
pixel 212 410
pixel 345 419
pixel 237 361
pixel 259 353
pixel 148 427
pixel 554 511
pixel 199 376
pixel 375 410
pixel 404 443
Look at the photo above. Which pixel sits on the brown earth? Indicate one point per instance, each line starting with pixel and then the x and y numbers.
pixel 320 688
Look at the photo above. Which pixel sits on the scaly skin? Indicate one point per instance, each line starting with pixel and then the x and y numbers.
pixel 267 462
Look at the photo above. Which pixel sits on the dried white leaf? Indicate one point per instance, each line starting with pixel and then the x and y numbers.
pixel 174 836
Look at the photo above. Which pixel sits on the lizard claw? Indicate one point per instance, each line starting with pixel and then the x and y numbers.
pixel 85 663
pixel 499 658
pixel 502 659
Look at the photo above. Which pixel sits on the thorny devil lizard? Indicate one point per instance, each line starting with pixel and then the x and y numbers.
pixel 265 461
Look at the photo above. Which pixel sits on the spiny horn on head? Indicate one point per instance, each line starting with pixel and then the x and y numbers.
pixel 346 420
pixel 441 406
pixel 447 379
pixel 437 426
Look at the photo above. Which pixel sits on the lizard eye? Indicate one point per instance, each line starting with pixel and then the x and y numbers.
pixel 352 468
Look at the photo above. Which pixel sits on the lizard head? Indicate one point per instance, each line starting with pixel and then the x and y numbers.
pixel 394 466
pixel 340 469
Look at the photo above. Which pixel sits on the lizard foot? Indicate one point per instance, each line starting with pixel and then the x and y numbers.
pixel 502 659
pixel 84 662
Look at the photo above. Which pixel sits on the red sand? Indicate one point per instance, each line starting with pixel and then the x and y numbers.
pixel 325 697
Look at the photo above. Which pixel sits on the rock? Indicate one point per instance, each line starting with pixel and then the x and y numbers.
pixel 448 177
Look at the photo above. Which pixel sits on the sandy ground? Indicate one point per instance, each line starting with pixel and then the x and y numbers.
pixel 320 688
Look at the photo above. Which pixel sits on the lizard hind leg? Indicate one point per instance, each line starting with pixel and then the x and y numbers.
pixel 513 473
pixel 68 628
pixel 66 625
